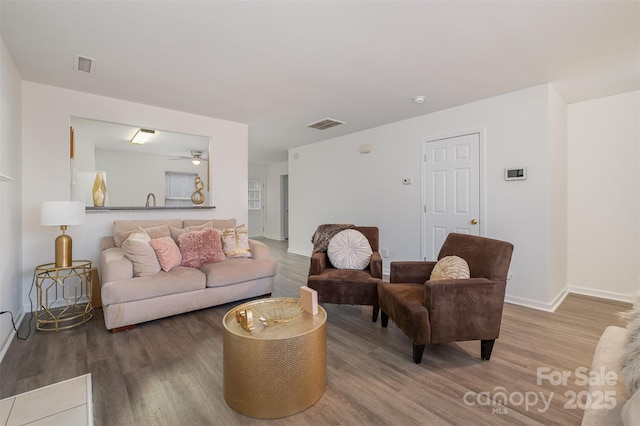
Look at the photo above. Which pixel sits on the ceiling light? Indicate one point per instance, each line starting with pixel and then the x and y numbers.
pixel 142 135
pixel 196 161
pixel 419 99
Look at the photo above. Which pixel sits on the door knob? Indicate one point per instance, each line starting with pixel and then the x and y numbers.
pixel 474 221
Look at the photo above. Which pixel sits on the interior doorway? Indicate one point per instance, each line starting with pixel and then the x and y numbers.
pixel 284 208
pixel 451 199
pixel 256 200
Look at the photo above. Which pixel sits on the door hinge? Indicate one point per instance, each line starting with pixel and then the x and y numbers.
pixel 425 208
pixel 425 158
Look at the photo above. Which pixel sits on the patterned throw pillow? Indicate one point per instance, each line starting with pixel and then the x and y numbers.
pixel 138 250
pixel 200 247
pixel 349 249
pixel 167 252
pixel 235 242
pixel 450 268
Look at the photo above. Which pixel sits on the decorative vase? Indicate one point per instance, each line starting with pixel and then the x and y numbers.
pixel 99 190
pixel 198 197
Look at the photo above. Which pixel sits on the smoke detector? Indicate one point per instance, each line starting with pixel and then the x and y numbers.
pixel 325 123
pixel 84 64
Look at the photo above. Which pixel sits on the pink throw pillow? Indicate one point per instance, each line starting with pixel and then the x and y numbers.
pixel 167 252
pixel 200 247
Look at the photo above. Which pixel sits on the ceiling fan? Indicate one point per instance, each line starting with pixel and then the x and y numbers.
pixel 196 157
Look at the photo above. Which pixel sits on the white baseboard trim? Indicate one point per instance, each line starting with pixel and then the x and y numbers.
pixel 11 336
pixel 301 253
pixel 603 294
pixel 535 304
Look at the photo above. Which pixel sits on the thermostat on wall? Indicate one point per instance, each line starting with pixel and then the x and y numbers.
pixel 515 174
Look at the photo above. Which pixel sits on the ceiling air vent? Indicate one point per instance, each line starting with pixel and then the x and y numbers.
pixel 84 64
pixel 325 124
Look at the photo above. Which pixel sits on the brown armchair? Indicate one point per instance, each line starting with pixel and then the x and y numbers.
pixel 430 312
pixel 348 286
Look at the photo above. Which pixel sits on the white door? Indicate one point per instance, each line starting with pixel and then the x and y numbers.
pixel 256 207
pixel 451 190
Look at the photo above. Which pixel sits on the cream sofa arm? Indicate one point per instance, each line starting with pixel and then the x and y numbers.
pixel 115 265
pixel 259 250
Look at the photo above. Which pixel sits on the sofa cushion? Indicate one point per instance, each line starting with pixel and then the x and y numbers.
pixel 155 228
pixel 167 252
pixel 138 250
pixel 217 223
pixel 450 268
pixel 178 280
pixel 235 242
pixel 200 247
pixel 237 270
pixel 176 232
pixel 349 249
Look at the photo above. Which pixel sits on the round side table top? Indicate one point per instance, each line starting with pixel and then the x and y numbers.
pixel 284 306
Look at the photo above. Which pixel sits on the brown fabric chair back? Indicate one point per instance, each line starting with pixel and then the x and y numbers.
pixel 487 258
pixel 371 232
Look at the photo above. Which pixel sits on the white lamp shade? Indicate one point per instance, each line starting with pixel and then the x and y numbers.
pixel 59 213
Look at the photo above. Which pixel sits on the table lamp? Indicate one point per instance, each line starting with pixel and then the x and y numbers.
pixel 63 214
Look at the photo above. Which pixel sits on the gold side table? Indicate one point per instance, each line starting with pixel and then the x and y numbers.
pixel 64 295
pixel 276 370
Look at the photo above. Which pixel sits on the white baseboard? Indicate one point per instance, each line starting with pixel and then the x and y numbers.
pixel 603 294
pixel 11 336
pixel 300 252
pixel 529 303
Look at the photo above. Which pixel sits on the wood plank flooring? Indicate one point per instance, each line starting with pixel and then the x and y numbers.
pixel 169 372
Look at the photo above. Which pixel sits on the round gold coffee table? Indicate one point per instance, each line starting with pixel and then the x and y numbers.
pixel 274 370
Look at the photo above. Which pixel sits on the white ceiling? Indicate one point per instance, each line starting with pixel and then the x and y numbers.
pixel 279 66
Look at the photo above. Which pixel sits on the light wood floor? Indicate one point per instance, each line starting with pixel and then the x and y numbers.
pixel 169 372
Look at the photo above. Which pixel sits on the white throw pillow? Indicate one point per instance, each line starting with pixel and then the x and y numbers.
pixel 138 250
pixel 450 268
pixel 349 249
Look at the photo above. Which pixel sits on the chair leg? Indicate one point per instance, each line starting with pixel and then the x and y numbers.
pixel 376 309
pixel 417 353
pixel 486 346
pixel 384 319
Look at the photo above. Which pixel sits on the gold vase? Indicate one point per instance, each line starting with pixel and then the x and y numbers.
pixel 99 190
pixel 198 197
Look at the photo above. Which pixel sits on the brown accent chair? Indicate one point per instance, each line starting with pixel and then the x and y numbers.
pixel 430 312
pixel 348 286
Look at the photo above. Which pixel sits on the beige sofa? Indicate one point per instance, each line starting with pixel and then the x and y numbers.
pixel 608 402
pixel 129 300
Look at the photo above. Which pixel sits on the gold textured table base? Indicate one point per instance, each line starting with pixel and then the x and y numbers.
pixel 275 371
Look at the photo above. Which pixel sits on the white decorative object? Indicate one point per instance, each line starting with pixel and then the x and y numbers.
pixel 309 299
pixel 349 249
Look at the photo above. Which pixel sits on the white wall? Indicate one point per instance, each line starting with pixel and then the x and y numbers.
pixel 330 182
pixel 10 197
pixel 46 111
pixel 604 196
